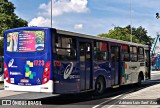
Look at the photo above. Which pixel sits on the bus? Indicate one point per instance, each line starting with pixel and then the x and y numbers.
pixel 41 59
pixel 1 69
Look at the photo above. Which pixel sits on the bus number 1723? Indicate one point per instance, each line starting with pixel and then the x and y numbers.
pixel 38 62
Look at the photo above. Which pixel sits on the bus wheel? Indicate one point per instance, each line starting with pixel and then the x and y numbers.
pixel 100 85
pixel 139 80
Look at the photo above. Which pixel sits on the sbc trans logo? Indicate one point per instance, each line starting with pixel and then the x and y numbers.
pixel 10 64
pixel 68 70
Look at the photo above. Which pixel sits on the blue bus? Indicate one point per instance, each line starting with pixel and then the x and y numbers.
pixel 39 59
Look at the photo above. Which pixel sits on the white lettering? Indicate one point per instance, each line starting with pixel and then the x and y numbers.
pixel 10 64
pixel 15 73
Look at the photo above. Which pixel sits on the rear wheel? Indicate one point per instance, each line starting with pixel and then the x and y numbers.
pixel 139 80
pixel 100 85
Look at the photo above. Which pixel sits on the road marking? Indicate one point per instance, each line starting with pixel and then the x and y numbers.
pixel 127 94
pixel 96 106
pixel 118 101
pixel 106 101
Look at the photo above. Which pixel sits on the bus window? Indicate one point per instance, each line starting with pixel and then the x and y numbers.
pixel 140 54
pixel 82 53
pixel 66 48
pixel 101 51
pixel 25 41
pixel 114 53
pixel 125 53
pixel 133 53
pixel 88 52
pixel 147 55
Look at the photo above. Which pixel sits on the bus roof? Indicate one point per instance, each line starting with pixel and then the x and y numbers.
pixel 98 38
pixel 79 35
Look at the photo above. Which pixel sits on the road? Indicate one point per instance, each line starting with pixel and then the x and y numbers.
pixel 90 100
pixel 86 100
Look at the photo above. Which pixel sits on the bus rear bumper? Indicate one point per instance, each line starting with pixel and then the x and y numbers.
pixel 48 87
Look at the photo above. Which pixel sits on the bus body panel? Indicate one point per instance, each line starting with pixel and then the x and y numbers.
pixel 131 71
pixel 48 87
pixel 66 77
pixel 103 69
pixel 26 69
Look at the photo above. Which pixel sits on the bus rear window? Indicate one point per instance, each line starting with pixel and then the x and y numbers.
pixel 25 41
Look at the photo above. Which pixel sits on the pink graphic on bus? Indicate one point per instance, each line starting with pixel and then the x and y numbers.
pixel 27 41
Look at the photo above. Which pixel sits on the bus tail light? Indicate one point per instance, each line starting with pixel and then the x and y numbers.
pixel 6 74
pixel 46 73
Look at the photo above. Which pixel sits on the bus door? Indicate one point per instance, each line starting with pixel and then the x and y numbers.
pixel 85 66
pixel 147 63
pixel 115 64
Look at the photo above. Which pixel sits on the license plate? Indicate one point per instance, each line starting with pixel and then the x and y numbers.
pixel 24 80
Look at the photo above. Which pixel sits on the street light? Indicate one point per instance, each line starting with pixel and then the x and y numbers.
pixel 157 15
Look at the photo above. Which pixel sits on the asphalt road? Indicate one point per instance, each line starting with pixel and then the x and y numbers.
pixel 89 99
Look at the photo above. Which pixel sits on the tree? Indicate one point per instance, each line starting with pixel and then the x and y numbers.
pixel 139 35
pixel 8 19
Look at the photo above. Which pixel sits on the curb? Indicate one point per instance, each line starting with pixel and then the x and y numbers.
pixel 155 72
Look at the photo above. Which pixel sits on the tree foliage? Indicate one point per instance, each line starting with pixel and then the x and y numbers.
pixel 8 19
pixel 139 35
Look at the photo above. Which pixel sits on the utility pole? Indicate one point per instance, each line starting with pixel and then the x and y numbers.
pixel 51 13
pixel 131 19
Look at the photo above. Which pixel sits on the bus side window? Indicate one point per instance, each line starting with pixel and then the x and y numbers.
pixel 140 54
pixel 114 53
pixel 133 53
pixel 65 48
pixel 125 53
pixel 101 51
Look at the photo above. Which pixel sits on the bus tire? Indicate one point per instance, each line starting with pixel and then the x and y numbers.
pixel 100 85
pixel 140 78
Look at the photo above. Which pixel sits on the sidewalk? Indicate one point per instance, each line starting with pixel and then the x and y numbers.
pixel 1 86
pixel 151 92
pixel 155 72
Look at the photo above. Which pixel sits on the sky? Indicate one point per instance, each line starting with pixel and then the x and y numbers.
pixel 90 16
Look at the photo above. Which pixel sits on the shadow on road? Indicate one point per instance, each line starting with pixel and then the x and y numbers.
pixel 88 97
